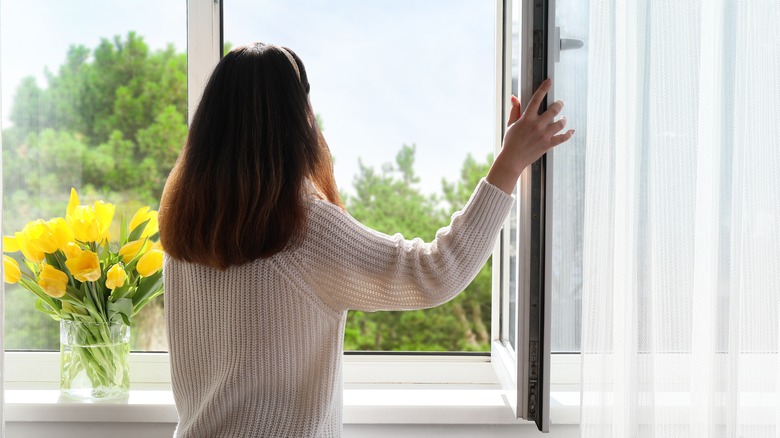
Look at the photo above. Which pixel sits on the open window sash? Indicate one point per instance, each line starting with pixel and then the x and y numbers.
pixel 522 285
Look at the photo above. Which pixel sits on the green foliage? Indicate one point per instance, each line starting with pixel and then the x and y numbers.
pixel 457 193
pixel 112 119
pixel 391 201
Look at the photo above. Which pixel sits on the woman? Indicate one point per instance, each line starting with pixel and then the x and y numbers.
pixel 263 262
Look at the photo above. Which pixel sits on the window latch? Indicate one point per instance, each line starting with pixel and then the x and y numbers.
pixel 565 44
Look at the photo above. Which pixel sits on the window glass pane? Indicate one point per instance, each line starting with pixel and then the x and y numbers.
pixel 513 292
pixel 509 296
pixel 404 93
pixel 571 84
pixel 94 98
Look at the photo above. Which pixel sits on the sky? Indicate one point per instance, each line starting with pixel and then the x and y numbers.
pixel 383 73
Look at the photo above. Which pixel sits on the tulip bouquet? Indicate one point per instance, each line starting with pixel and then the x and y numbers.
pixel 92 285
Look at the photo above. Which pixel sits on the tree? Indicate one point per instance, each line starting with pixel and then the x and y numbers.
pixel 126 104
pixel 390 201
pixel 109 122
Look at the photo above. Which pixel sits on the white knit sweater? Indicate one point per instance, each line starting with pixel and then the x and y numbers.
pixel 256 350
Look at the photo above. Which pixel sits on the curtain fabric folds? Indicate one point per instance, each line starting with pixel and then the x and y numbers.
pixel 681 283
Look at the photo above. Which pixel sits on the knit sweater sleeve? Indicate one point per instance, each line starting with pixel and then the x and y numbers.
pixel 353 267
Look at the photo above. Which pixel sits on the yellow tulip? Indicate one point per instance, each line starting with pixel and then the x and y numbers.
pixel 11 272
pixel 142 215
pixel 89 224
pixel 72 250
pixel 53 281
pixel 150 263
pixel 39 234
pixel 61 232
pixel 115 277
pixel 131 249
pixel 104 213
pixel 73 202
pixel 85 267
pixel 9 244
pixel 30 251
pixel 83 222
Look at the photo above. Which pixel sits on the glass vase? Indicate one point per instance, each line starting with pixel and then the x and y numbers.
pixel 94 360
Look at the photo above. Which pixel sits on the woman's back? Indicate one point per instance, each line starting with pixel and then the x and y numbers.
pixel 253 353
pixel 256 350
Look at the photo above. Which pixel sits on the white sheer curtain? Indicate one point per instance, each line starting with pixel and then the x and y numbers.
pixel 681 292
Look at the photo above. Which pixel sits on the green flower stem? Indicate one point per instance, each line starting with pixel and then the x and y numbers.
pixel 63 267
pixel 97 299
pixel 89 304
pixel 90 351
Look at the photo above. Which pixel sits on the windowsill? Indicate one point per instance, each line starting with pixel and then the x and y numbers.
pixel 378 390
pixel 46 405
pixel 404 404
pixel 452 404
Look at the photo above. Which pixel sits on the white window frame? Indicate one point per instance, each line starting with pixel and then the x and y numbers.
pixel 31 376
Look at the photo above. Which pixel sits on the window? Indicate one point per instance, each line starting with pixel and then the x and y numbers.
pixel 404 92
pixel 740 201
pixel 95 98
pixel 367 88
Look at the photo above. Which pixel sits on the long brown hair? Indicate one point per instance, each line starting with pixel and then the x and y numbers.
pixel 237 191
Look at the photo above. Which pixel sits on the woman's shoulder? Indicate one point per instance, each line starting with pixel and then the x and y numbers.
pixel 322 212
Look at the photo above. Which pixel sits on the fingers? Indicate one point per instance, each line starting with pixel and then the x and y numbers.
pixel 536 100
pixel 552 111
pixel 556 127
pixel 515 112
pixel 561 138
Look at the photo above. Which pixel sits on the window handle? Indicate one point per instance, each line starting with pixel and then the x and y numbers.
pixel 571 44
pixel 565 44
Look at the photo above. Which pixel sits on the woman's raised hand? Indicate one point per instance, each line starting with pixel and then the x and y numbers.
pixel 529 136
